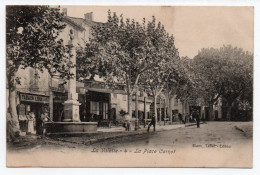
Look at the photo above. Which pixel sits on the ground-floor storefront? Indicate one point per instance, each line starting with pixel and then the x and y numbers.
pixel 31 105
pixel 103 106
pixel 98 106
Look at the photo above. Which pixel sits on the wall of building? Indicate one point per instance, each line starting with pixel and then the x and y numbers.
pixel 176 104
pixel 81 36
pixel 119 102
pixel 31 83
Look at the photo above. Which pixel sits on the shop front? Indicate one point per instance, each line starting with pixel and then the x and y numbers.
pixel 58 108
pixel 29 110
pixel 98 106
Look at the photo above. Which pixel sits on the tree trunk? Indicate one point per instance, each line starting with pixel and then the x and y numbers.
pixel 229 107
pixel 160 111
pixel 129 104
pixel 165 112
pixel 170 108
pixel 13 111
pixel 184 108
pixel 155 107
pixel 51 98
pixel 136 105
pixel 229 113
pixel 211 112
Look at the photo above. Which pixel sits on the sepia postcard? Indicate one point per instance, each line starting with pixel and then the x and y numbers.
pixel 129 86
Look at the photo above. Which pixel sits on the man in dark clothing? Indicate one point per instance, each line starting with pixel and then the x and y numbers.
pixel 197 117
pixel 180 118
pixel 153 122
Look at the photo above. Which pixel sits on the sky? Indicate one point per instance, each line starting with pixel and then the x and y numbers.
pixel 193 27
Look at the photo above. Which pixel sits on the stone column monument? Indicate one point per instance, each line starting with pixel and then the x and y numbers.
pixel 71 106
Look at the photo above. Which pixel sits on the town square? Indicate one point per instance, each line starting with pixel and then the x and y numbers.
pixel 129 81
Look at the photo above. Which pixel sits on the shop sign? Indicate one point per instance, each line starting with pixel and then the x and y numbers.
pixel 58 89
pixel 34 98
pixel 60 98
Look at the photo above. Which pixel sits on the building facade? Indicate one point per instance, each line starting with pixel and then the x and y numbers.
pixel 39 92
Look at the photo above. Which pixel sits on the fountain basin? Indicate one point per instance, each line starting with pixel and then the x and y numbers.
pixel 70 127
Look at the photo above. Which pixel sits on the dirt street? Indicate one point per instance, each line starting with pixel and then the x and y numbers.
pixel 225 133
pixel 227 142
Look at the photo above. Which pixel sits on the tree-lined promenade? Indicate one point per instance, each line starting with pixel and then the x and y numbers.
pixel 139 55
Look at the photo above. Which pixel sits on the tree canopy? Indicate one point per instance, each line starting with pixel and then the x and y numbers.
pixel 123 50
pixel 32 39
pixel 226 72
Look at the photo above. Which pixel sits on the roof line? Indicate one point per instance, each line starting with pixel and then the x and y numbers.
pixel 73 23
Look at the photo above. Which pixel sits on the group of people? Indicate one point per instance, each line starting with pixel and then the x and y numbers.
pixel 194 116
pixel 31 125
pixel 127 123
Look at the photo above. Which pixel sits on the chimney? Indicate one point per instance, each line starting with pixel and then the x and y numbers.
pixel 88 16
pixel 64 11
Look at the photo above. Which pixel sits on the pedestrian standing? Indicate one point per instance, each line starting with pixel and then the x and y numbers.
pixel 31 121
pixel 127 122
pixel 44 118
pixel 153 122
pixel 180 118
pixel 197 117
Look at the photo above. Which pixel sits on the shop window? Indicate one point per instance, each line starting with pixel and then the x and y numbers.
pixel 94 107
pixel 105 110
pixel 99 108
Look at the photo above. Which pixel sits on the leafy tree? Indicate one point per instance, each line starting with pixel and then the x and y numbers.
pixel 185 84
pixel 179 82
pixel 32 41
pixel 121 51
pixel 238 75
pixel 208 77
pixel 225 72
pixel 155 80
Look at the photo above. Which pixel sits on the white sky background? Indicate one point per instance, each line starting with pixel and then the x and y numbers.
pixel 193 27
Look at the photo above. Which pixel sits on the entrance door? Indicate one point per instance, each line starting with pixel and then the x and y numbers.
pixel 216 114
pixel 58 113
pixel 36 109
pixel 207 113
